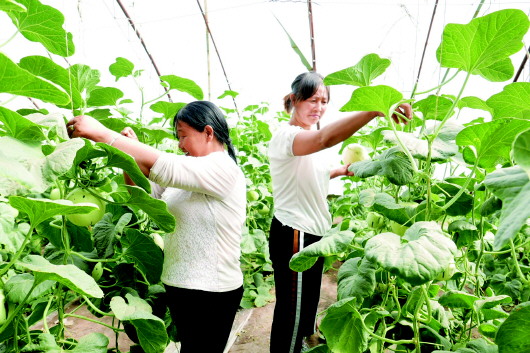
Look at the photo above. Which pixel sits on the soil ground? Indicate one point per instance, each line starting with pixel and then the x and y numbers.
pixel 250 332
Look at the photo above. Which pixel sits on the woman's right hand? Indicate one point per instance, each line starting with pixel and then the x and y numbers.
pixel 88 127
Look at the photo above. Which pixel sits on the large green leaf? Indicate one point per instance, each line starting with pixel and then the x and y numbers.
pixel 442 147
pixel 44 67
pixel 104 96
pixel 92 343
pixel 19 127
pixel 514 333
pixel 474 103
pixel 150 329
pixel 512 102
pixel 373 98
pixel 343 329
pixel 18 287
pixel 386 205
pixel 156 209
pixel 512 186
pixel 169 110
pixel 448 191
pixel 184 85
pixel 483 46
pixel 434 107
pixel 392 163
pixel 17 81
pixel 492 142
pixel 417 257
pixel 356 278
pixel 143 251
pixel 361 74
pixel 39 210
pixel 11 5
pixel 458 299
pixel 44 24
pixel 521 151
pixel 331 244
pixel 68 275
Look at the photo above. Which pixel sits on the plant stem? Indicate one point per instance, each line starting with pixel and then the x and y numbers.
pixel 18 253
pixel 516 264
pixel 94 321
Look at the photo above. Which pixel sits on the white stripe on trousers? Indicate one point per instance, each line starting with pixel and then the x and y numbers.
pixel 298 296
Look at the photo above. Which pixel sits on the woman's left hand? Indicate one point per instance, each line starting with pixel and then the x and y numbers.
pixel 403 109
pixel 88 127
pixel 341 171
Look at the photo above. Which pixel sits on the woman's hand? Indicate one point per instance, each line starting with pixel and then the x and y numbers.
pixel 341 171
pixel 88 127
pixel 403 113
pixel 129 132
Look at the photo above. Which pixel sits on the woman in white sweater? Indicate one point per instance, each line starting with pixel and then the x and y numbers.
pixel 300 182
pixel 205 190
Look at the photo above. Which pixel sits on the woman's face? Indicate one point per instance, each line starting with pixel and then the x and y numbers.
pixel 191 142
pixel 308 112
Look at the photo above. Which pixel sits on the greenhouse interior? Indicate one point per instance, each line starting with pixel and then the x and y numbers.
pixel 169 181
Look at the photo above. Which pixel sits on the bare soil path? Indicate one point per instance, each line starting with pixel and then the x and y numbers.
pixel 250 332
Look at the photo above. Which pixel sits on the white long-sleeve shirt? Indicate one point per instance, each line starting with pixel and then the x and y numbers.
pixel 300 184
pixel 207 196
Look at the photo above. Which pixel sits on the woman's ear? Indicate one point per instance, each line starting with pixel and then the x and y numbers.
pixel 209 133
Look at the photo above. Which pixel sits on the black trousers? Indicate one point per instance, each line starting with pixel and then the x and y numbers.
pixel 203 319
pixel 297 293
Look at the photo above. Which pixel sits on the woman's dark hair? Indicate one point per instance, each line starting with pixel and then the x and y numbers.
pixel 303 87
pixel 198 114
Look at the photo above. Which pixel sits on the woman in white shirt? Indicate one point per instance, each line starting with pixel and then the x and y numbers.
pixel 300 180
pixel 205 190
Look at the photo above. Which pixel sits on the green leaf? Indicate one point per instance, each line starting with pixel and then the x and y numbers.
pixel 392 163
pixel 492 142
pixel 144 253
pixel 17 81
pixel 373 98
pixel 92 343
pixel 18 286
pixel 458 299
pixel 434 107
pixel 483 46
pixel 121 68
pixel 296 49
pixel 448 191
pixel 474 103
pixel 184 85
pixel 441 149
pixel 11 6
pixel 42 23
pixel 514 334
pixel 68 275
pixel 19 127
pixel 115 159
pixel 169 110
pixel 103 96
pixel 44 67
pixel 521 151
pixel 150 329
pixel 331 244
pixel 343 329
pixel 361 74
pixel 512 186
pixel 39 210
pixel 45 343
pixel 512 102
pixel 156 209
pixel 356 278
pixel 417 257
pixel 386 205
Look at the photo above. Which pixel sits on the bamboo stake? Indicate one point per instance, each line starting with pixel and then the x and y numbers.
pixel 523 63
pixel 143 44
pixel 218 55
pixel 312 37
pixel 208 52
